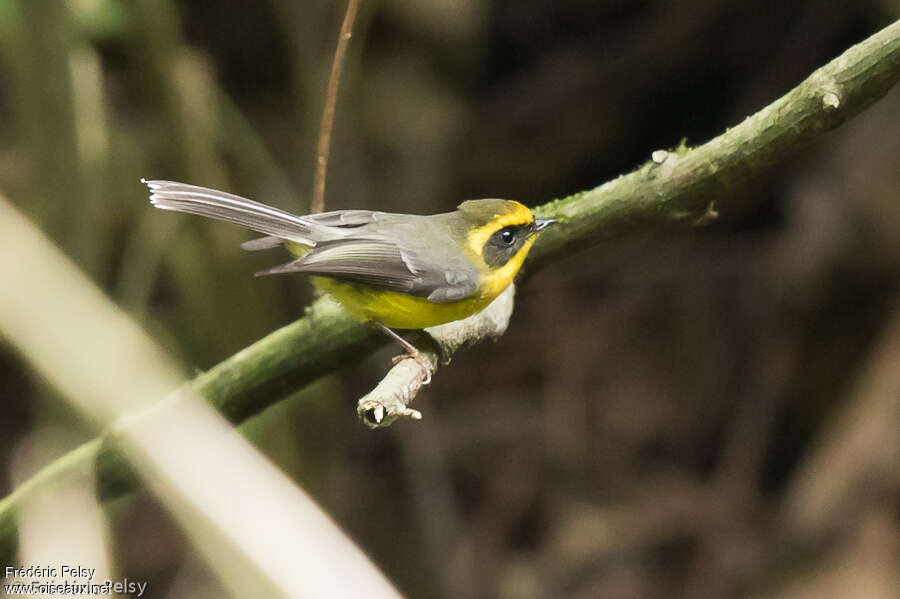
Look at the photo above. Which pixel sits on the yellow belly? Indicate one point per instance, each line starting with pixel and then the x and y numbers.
pixel 398 310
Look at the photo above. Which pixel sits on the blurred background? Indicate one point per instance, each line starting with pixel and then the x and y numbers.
pixel 695 413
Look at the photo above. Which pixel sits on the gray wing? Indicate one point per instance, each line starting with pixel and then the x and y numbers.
pixel 340 219
pixel 384 264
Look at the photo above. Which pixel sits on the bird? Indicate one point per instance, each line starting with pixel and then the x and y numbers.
pixel 397 271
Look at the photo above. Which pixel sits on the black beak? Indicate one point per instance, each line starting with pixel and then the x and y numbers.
pixel 542 223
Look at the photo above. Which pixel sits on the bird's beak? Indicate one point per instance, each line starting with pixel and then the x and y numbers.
pixel 542 223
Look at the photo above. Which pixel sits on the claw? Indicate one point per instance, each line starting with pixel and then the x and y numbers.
pixel 419 359
pixel 412 353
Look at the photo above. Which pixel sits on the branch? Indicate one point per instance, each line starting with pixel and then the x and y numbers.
pixel 390 399
pixel 679 185
pixel 184 451
pixel 676 187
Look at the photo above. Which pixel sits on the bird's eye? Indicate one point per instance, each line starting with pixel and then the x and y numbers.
pixel 507 235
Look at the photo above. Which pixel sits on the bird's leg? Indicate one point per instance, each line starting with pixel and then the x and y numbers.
pixel 411 352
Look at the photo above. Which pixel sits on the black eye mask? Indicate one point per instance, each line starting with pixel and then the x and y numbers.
pixel 504 244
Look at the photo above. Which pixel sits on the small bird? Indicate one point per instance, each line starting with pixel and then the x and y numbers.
pixel 399 271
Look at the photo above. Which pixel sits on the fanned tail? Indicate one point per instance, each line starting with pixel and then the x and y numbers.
pixel 211 203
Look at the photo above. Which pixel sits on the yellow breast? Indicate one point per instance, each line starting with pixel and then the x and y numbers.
pixel 398 310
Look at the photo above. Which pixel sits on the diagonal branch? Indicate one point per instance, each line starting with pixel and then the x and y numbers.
pixel 679 185
pixel 676 186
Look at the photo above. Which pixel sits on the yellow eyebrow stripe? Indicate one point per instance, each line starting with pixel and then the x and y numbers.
pixel 478 237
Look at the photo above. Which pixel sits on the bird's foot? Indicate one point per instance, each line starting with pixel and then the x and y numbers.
pixel 423 362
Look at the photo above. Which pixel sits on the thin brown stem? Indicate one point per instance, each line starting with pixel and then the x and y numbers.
pixel 334 80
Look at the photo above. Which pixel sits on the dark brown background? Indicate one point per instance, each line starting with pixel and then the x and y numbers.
pixel 694 413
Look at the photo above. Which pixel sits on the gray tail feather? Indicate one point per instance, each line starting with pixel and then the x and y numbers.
pixel 292 266
pixel 262 243
pixel 211 203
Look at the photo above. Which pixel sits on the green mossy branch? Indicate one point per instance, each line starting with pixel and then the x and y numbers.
pixel 679 186
pixel 683 184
